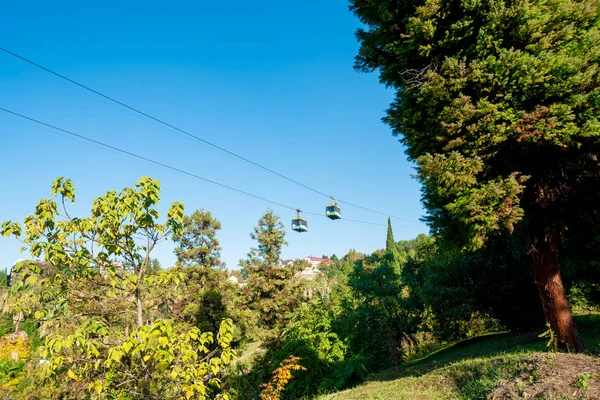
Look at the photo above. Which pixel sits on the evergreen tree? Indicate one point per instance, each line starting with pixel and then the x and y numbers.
pixel 498 104
pixel 272 290
pixel 390 244
pixel 197 244
pixel 3 278
pixel 154 267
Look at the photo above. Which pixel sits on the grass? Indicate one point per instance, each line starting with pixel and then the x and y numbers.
pixel 470 369
pixel 249 352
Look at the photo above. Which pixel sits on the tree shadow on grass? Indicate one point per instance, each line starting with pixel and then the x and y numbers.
pixel 489 346
pixel 482 346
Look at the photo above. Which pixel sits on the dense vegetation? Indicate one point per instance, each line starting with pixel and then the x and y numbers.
pixel 497 103
pixel 98 317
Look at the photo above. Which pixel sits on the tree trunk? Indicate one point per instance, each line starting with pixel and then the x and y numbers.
pixel 140 308
pixel 546 270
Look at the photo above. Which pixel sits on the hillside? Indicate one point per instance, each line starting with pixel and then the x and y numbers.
pixel 495 366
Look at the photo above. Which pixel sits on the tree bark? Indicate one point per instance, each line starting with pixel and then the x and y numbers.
pixel 546 271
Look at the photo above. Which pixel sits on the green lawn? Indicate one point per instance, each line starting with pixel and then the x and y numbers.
pixel 470 369
pixel 249 352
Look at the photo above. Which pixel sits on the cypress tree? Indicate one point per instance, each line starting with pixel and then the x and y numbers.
pixel 3 278
pixel 390 244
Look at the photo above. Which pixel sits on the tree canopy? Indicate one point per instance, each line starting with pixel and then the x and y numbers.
pixel 272 289
pixel 197 243
pixel 497 102
pixel 109 334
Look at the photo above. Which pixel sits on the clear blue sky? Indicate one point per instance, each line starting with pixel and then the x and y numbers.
pixel 272 81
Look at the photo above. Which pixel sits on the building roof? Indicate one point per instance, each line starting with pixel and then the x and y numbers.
pixel 319 259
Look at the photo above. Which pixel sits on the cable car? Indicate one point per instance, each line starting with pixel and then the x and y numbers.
pixel 299 224
pixel 333 211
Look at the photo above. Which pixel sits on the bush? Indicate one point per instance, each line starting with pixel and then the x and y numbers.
pixel 472 291
pixel 308 336
pixel 6 325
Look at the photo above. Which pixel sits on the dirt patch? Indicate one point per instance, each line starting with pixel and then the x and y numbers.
pixel 554 376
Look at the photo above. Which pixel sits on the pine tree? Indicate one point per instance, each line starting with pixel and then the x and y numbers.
pixel 197 244
pixel 272 291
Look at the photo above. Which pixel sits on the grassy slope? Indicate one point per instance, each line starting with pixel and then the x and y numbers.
pixel 467 370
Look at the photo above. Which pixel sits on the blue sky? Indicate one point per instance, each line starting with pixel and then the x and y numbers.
pixel 271 81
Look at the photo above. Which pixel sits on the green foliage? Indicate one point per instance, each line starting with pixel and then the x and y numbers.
pixel 21 299
pixel 497 102
pixel 154 361
pixel 6 324
pixel 211 311
pixel 552 344
pixel 154 267
pixel 270 237
pixel 33 332
pixel 197 243
pixel 379 319
pixel 310 336
pixel 502 84
pixel 272 290
pixel 10 369
pixel 466 292
pixel 580 255
pixel 352 256
pixel 4 279
pixel 390 244
pixel 105 307
pixel 470 369
pixel 480 208
pixel 582 382
pixel 199 297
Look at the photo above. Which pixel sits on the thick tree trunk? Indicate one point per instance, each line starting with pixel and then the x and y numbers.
pixel 546 270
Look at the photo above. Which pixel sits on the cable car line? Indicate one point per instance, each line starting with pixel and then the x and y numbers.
pixel 377 212
pixel 160 164
pixel 160 121
pixel 96 142
pixel 192 136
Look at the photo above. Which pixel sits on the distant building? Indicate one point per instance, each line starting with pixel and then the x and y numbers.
pixel 315 261
pixel 311 272
pixel 236 280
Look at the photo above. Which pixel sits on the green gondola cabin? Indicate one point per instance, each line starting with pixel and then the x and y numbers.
pixel 333 211
pixel 299 224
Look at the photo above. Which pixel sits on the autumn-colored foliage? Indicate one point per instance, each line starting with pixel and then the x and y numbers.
pixel 15 347
pixel 281 377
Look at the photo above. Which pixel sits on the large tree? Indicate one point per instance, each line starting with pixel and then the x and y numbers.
pixel 113 337
pixel 197 242
pixel 272 289
pixel 497 102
